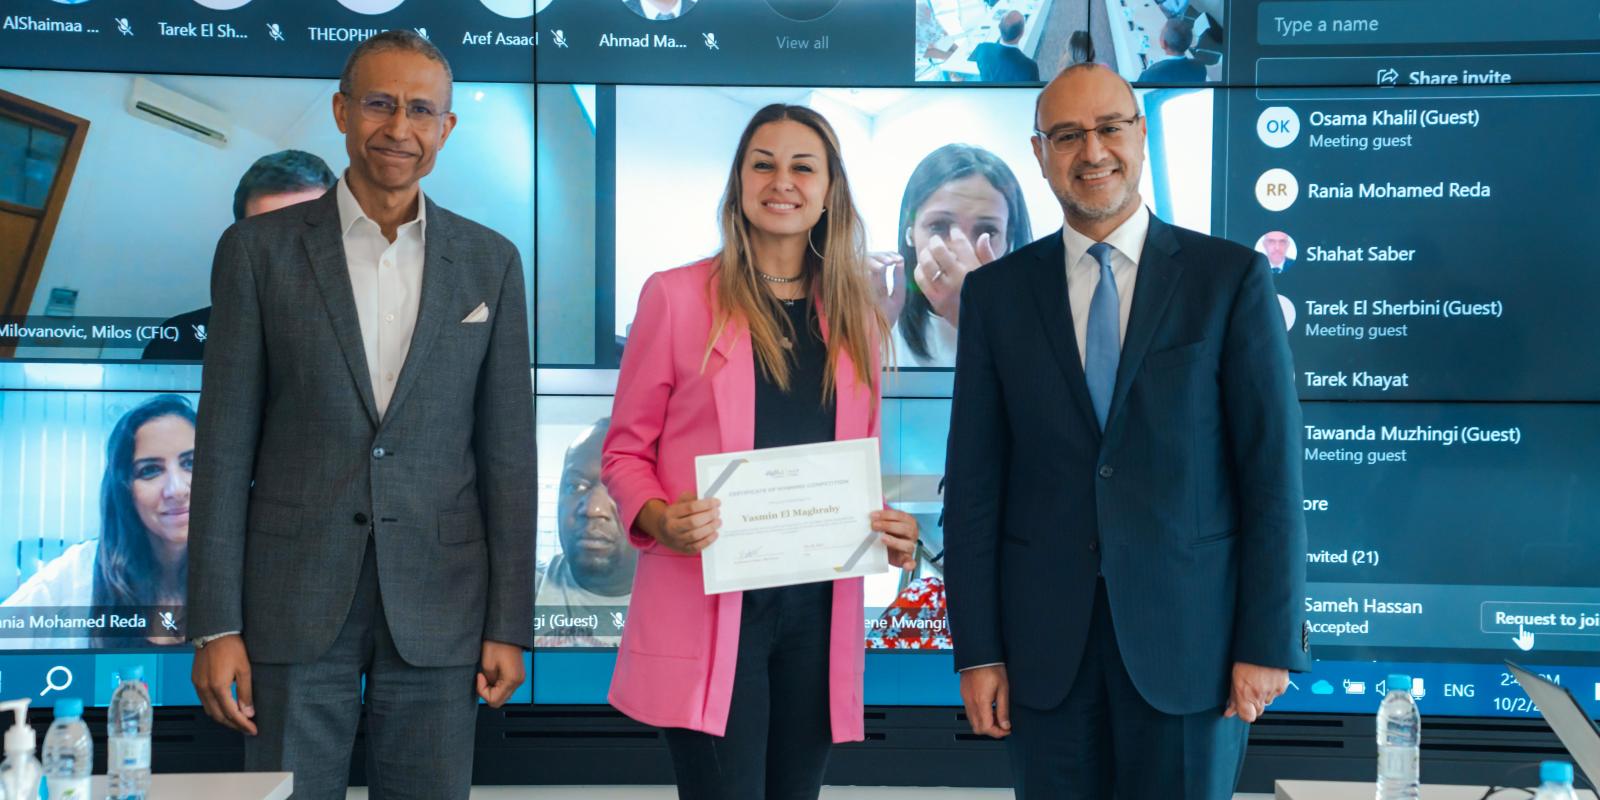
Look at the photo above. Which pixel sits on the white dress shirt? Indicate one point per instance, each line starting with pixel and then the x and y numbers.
pixel 651 13
pixel 387 280
pixel 1083 272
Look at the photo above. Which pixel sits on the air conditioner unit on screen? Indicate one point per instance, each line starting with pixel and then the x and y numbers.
pixel 169 109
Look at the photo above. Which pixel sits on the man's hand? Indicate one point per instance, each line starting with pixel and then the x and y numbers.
pixel 499 672
pixel 1254 688
pixel 987 695
pixel 218 668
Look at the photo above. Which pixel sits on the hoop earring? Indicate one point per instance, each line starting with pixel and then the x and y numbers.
pixel 813 246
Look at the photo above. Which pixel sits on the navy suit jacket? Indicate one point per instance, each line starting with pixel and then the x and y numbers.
pixel 1189 504
pixel 998 63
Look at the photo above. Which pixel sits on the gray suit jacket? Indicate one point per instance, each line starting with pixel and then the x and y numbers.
pixel 294 470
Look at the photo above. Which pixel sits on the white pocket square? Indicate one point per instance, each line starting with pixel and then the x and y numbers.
pixel 479 314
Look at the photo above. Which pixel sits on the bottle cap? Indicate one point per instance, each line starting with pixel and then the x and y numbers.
pixel 69 708
pixel 1555 772
pixel 1399 683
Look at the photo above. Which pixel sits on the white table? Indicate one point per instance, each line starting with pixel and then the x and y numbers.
pixel 212 785
pixel 1340 790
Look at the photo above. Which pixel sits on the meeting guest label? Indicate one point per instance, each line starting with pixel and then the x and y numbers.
pixel 1375 319
pixel 1364 445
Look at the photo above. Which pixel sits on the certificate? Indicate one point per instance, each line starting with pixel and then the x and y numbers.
pixel 793 515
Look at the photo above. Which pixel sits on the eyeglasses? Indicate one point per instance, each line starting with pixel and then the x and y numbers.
pixel 1067 141
pixel 381 107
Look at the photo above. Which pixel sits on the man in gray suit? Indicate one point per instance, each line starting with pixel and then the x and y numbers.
pixel 363 494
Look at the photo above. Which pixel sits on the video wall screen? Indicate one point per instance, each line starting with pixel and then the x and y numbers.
pixel 130 138
pixel 586 565
pixel 167 162
pixel 94 497
pixel 485 40
pixel 1416 174
pixel 923 163
pixel 1435 297
pixel 878 42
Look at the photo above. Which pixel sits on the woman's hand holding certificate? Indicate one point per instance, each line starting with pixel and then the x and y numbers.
pixel 795 515
pixel 900 533
pixel 687 526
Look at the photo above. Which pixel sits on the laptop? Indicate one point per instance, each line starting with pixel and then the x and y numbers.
pixel 1561 710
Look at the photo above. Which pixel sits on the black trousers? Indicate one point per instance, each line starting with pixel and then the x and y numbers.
pixel 1104 742
pixel 779 732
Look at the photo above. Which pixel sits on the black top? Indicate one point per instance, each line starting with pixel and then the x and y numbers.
pixel 798 416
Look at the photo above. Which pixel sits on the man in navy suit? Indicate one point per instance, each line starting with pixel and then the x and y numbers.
pixel 1125 557
pixel 1003 61
pixel 1177 36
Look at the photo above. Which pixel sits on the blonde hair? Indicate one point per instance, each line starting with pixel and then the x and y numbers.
pixel 836 266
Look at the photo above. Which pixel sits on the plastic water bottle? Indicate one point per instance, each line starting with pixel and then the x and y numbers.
pixel 128 723
pixel 68 753
pixel 1555 782
pixel 1399 740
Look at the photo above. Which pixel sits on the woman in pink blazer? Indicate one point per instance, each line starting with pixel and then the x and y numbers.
pixel 773 341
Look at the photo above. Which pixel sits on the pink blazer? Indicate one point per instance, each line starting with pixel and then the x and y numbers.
pixel 676 664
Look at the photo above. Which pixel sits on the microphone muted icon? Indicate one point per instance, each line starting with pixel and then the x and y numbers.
pixel 560 38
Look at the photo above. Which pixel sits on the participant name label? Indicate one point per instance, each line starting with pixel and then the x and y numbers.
pixel 1385 117
pixel 31 24
pixel 660 41
pixel 1444 436
pixel 497 39
pixel 1447 308
pixel 1400 191
pixel 200 30
pixel 1377 253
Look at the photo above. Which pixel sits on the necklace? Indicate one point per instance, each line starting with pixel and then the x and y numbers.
pixel 776 279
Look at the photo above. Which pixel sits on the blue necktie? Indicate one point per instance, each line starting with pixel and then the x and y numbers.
pixel 1103 341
